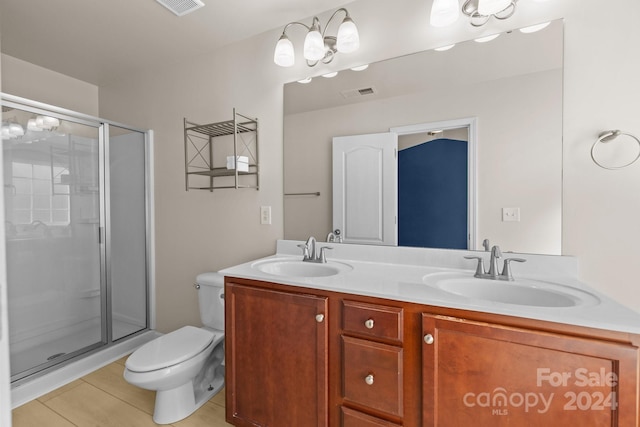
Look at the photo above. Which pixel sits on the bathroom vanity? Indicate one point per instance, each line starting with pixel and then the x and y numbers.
pixel 374 339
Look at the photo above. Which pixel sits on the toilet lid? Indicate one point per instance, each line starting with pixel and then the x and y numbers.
pixel 170 349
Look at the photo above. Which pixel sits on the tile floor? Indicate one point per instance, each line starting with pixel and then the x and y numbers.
pixel 104 399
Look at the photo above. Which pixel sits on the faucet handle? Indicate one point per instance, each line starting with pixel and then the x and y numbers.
pixel 305 251
pixel 480 267
pixel 323 257
pixel 506 270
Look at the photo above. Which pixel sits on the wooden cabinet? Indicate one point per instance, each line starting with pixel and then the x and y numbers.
pixel 306 357
pixel 490 375
pixel 276 357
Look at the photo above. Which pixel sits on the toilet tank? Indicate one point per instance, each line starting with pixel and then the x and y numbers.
pixel 211 299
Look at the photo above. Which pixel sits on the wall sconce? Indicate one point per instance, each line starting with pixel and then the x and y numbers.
pixel 319 47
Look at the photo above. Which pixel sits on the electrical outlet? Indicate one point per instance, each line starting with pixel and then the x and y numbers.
pixel 511 214
pixel 265 215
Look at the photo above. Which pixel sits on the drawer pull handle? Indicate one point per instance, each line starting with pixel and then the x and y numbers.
pixel 369 379
pixel 369 324
pixel 319 318
pixel 429 339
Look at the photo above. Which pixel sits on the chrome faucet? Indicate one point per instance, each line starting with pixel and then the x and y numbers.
pixel 334 236
pixel 496 254
pixel 310 254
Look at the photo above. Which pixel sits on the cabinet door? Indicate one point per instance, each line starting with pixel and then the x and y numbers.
pixel 486 375
pixel 276 358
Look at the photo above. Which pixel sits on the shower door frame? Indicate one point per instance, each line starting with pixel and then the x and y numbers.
pixel 104 228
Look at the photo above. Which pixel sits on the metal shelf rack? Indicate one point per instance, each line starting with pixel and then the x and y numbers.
pixel 210 150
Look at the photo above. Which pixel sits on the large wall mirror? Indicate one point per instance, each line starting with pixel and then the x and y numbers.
pixel 510 87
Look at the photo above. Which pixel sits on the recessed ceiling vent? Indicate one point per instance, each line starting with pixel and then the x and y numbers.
pixel 352 93
pixel 181 7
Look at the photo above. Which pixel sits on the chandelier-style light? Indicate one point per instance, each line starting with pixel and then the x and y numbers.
pixel 319 47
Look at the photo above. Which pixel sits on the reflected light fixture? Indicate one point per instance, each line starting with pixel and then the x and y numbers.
pixel 444 48
pixel 480 11
pixel 360 67
pixel 487 38
pixel 534 28
pixel 318 46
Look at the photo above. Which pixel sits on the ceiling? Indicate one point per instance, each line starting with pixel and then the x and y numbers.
pixel 98 41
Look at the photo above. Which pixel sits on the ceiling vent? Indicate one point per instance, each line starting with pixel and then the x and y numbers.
pixel 352 93
pixel 181 7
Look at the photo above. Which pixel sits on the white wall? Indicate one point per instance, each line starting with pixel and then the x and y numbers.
pixel 516 169
pixel 30 81
pixel 199 231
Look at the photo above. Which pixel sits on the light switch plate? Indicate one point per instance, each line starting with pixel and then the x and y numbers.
pixel 265 215
pixel 511 214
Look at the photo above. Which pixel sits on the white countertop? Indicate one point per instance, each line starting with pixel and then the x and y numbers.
pixel 397 273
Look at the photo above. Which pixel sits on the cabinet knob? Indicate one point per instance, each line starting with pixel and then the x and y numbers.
pixel 319 318
pixel 429 339
pixel 369 379
pixel 369 324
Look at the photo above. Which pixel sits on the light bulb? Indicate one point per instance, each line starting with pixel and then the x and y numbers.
pixel 491 7
pixel 348 37
pixel 360 67
pixel 330 75
pixel 305 81
pixel 50 122
pixel 32 126
pixel 284 55
pixel 444 12
pixel 16 130
pixel 313 43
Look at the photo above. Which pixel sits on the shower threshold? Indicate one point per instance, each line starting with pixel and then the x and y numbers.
pixel 30 389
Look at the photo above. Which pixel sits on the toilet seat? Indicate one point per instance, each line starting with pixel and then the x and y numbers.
pixel 170 349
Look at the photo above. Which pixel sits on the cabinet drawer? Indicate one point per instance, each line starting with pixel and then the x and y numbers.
pixel 372 374
pixel 351 418
pixel 374 320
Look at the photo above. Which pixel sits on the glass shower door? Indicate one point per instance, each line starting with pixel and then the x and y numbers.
pixel 54 253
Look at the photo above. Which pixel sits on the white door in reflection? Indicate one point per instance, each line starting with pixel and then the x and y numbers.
pixel 365 201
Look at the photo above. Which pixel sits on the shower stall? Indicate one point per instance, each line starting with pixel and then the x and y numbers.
pixel 77 234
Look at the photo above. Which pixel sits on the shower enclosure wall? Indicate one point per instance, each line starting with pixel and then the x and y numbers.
pixel 77 235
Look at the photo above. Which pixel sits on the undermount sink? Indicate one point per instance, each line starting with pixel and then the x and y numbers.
pixel 299 268
pixel 527 292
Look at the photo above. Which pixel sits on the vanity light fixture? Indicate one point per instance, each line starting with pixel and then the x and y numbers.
pixel 305 81
pixel 330 75
pixel 360 67
pixel 319 47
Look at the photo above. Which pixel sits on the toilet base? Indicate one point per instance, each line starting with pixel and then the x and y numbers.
pixel 178 403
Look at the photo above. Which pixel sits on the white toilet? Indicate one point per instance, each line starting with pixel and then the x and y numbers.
pixel 184 367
